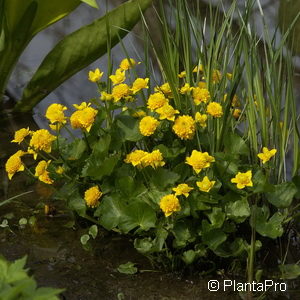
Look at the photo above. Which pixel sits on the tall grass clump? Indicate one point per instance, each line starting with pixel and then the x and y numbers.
pixel 192 166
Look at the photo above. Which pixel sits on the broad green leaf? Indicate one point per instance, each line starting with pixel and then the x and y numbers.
pixel 77 204
pixel 110 211
pixel 84 239
pixel 234 144
pixel 228 249
pixel 296 181
pixel 283 194
pixel 76 149
pixel 129 128
pixel 270 227
pixel 213 238
pixel 183 232
pixel 93 231
pixel 80 49
pixel 128 268
pixel 163 177
pixel 169 152
pixel 144 245
pixel 140 215
pixel 238 210
pixel 92 3
pixel 216 217
pixel 290 271
pixel 48 12
pixel 189 256
pixel 97 168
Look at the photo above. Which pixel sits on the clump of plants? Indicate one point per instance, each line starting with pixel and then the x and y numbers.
pixel 192 167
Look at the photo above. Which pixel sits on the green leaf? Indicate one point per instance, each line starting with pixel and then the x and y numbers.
pixel 290 271
pixel 272 227
pixel 140 215
pixel 234 144
pixel 80 49
pixel 213 238
pixel 183 232
pixel 128 268
pixel 92 3
pixel 110 211
pixel 76 149
pixel 169 152
pixel 216 217
pixel 288 12
pixel 238 210
pixel 189 256
pixel 296 181
pixel 229 249
pixel 163 178
pixel 97 168
pixel 144 245
pixel 78 204
pixel 129 128
pixel 93 231
pixel 126 185
pixel 283 194
pixel 84 239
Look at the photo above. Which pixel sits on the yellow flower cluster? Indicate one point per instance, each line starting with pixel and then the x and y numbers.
pixel 156 100
pixel 14 164
pixel 42 173
pixel 182 189
pixel 167 112
pixel 169 204
pixel 92 196
pixel 84 117
pixel 148 125
pixel 41 140
pixel 55 114
pixel 142 159
pixel 199 160
pixel 20 135
pixel 185 127
pixel 200 95
pixel 205 185
pixel 266 155
pixel 95 76
pixel 243 179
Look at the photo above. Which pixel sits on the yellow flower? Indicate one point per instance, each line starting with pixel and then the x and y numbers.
pixel 169 204
pixel 82 106
pixel 156 101
pixel 55 113
pixel 153 159
pixel 42 173
pixel 148 125
pixel 92 196
pixel 139 114
pixel 41 140
pixel 135 157
pixel 120 91
pixel 214 109
pixel 199 160
pixel 202 85
pixel 266 154
pixel 235 102
pixel 20 135
pixel 182 74
pixel 127 63
pixel 184 127
pixel 14 164
pixel 205 185
pixel 200 95
pixel 84 118
pixel 236 113
pixel 182 189
pixel 185 89
pixel 201 119
pixel 165 89
pixel 138 84
pixel 167 112
pixel 96 75
pixel 198 69
pixel 106 96
pixel 243 179
pixel 60 170
pixel 119 77
pixel 229 76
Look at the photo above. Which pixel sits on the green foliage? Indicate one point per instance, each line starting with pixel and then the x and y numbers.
pixel 15 284
pixel 128 268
